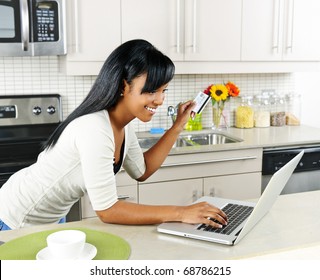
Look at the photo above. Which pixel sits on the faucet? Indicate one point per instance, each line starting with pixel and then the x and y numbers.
pixel 172 112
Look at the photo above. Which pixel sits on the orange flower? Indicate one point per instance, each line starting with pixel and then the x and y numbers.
pixel 232 89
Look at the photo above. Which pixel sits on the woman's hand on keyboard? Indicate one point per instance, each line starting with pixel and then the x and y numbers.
pixel 204 213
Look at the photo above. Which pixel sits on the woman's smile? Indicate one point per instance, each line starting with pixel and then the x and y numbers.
pixel 151 110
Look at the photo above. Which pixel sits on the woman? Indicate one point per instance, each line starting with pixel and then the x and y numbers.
pixel 96 139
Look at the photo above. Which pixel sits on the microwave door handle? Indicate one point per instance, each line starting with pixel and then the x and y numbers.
pixel 24 24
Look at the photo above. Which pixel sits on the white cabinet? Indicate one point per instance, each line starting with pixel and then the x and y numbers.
pixel 126 189
pixel 184 192
pixel 181 192
pixel 183 178
pixel 158 22
pixel 234 174
pixel 186 30
pixel 280 30
pixel 93 33
pixel 200 36
pixel 238 186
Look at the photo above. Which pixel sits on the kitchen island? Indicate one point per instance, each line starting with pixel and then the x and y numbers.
pixel 290 229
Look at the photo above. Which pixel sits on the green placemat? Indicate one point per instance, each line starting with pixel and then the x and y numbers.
pixel 109 246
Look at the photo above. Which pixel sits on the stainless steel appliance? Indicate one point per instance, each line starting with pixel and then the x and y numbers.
pixel 306 176
pixel 26 121
pixel 32 27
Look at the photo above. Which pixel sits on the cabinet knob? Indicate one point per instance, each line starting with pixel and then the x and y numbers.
pixel 212 192
pixel 194 195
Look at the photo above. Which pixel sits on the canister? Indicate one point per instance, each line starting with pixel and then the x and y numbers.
pixel 293 108
pixel 244 112
pixel 261 111
pixel 278 110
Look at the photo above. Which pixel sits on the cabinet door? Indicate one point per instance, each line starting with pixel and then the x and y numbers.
pixel 238 186
pixel 212 30
pixel 159 22
pixel 262 30
pixel 128 193
pixel 302 41
pixel 93 33
pixel 280 30
pixel 190 30
pixel 181 192
pixel 126 190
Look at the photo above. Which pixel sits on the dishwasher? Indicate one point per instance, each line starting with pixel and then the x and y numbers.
pixel 306 176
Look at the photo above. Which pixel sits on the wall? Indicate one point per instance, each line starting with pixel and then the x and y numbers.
pixel 308 85
pixel 39 75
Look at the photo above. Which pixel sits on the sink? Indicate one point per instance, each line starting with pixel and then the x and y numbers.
pixel 211 139
pixel 193 139
pixel 148 142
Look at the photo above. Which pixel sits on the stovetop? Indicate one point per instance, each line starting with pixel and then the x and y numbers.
pixel 27 110
pixel 29 117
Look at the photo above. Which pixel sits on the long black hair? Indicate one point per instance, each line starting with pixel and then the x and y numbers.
pixel 130 60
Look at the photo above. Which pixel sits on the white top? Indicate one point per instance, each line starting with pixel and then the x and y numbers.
pixel 81 161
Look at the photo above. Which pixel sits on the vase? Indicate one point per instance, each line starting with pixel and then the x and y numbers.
pixel 216 116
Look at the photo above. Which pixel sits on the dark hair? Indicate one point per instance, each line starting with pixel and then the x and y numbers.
pixel 127 62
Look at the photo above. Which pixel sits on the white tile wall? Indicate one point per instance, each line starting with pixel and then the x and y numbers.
pixel 39 75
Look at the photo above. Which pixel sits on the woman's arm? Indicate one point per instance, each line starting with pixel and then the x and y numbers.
pixel 156 155
pixel 123 212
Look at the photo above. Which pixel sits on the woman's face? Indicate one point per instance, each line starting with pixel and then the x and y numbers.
pixel 142 105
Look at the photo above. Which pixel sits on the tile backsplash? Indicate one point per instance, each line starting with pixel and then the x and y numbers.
pixel 40 75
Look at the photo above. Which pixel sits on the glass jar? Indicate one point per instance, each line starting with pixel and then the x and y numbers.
pixel 194 123
pixel 244 113
pixel 262 111
pixel 278 111
pixel 293 108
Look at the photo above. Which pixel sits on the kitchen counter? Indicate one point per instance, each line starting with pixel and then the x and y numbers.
pixel 291 228
pixel 269 137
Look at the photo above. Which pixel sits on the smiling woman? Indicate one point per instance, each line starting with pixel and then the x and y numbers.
pixel 90 146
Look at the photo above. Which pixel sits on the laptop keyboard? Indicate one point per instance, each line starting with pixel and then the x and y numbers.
pixel 236 215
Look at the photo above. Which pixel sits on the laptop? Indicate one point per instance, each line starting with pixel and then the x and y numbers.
pixel 238 225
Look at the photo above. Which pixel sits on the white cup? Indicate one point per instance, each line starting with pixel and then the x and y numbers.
pixel 66 244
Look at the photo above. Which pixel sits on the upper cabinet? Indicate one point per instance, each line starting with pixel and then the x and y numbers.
pixel 280 30
pixel 186 30
pixel 93 33
pixel 200 36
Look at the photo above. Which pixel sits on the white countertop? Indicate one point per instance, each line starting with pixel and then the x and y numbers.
pixel 290 230
pixel 269 137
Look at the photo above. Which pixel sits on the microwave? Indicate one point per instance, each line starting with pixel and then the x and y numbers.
pixel 32 27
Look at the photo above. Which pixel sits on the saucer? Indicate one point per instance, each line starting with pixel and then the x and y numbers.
pixel 88 253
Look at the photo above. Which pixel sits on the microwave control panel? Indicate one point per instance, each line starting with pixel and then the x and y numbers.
pixel 45 27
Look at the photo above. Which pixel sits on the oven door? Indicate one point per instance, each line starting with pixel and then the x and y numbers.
pixel 3 178
pixel 16 156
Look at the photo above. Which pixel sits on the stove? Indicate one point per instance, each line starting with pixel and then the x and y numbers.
pixel 26 122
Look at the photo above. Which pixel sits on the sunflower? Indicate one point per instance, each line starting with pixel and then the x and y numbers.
pixel 219 92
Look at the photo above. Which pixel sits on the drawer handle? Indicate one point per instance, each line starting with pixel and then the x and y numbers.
pixel 209 161
pixel 194 195
pixel 212 192
pixel 123 197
